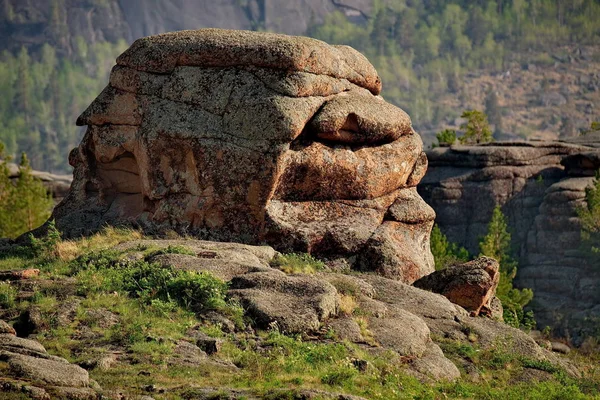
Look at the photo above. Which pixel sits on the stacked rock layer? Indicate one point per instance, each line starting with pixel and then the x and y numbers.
pixel 256 138
pixel 540 186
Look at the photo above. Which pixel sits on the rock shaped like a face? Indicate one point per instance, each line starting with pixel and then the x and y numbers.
pixel 254 137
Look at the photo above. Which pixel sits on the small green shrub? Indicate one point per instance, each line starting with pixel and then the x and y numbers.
pixel 45 247
pixel 340 376
pixel 346 287
pixel 542 365
pixel 196 291
pixel 8 294
pixel 446 138
pixel 298 263
pixel 153 283
pixel 171 250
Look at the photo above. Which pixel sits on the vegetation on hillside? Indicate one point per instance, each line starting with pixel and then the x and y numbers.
pixel 44 93
pixel 115 313
pixel 423 49
pixel 24 203
pixel 589 216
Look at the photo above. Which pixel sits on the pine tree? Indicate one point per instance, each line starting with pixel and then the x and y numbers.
pixel 446 253
pixel 589 216
pixel 22 101
pixel 24 205
pixel 492 109
pixel 477 129
pixel 446 138
pixel 496 244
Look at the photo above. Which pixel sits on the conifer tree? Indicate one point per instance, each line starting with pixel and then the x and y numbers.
pixel 496 244
pixel 22 101
pixel 589 215
pixel 446 253
pixel 477 129
pixel 492 109
pixel 24 204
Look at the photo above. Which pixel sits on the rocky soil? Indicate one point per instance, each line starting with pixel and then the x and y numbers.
pixel 544 96
pixel 407 326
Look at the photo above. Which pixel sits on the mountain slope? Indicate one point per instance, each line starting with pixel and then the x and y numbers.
pixel 35 22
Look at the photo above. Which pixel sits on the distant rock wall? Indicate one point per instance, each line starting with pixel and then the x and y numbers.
pixel 539 196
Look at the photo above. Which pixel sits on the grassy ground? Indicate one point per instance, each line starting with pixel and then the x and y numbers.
pixel 137 311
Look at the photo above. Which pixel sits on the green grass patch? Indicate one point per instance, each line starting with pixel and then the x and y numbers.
pixel 8 295
pixel 297 263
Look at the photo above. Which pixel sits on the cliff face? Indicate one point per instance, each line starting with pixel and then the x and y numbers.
pixel 34 22
pixel 539 186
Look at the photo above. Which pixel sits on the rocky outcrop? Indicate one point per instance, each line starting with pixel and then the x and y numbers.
pixel 254 137
pixel 33 372
pixel 389 314
pixel 471 285
pixel 539 186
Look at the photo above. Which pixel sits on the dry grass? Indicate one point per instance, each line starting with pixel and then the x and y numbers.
pixel 67 250
pixel 366 333
pixel 347 304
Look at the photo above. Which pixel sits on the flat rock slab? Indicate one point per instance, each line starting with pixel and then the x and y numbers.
pixel 220 47
pixel 296 303
pixel 16 275
pixel 50 372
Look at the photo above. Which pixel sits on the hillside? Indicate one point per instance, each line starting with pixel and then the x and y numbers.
pixel 244 223
pixel 540 58
pixel 119 316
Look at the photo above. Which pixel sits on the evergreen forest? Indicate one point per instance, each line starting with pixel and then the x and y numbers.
pixel 422 49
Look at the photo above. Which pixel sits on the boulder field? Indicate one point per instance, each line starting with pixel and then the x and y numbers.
pixel 255 138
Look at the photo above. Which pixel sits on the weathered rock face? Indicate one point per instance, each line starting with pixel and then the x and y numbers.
pixel 471 285
pixel 394 316
pixel 254 137
pixel 539 186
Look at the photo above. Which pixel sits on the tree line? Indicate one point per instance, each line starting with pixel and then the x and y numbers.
pixel 42 95
pixel 423 48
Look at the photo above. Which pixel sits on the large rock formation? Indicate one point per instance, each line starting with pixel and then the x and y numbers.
pixel 255 138
pixel 539 186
